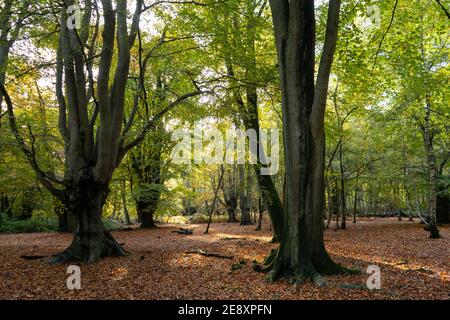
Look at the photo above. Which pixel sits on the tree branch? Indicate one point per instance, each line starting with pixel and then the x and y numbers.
pixel 152 122
pixel 385 34
pixel 29 154
pixel 443 8
pixel 323 76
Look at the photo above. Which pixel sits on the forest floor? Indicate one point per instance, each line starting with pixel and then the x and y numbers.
pixel 160 267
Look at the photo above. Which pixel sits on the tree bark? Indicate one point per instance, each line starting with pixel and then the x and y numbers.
pixel 343 204
pixel 229 190
pixel 146 162
pixel 248 112
pixel 432 174
pixel 260 212
pixel 5 205
pixel 216 192
pixel 443 197
pixel 355 203
pixel 244 196
pixel 91 241
pixel 443 205
pixel 124 203
pixel 302 255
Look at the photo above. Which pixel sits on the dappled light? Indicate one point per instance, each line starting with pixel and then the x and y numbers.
pixel 219 150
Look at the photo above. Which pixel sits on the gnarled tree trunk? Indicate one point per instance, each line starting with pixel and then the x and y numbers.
pixel 229 190
pixel 91 241
pixel 147 166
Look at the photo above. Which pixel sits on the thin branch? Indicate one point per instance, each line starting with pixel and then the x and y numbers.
pixel 385 34
pixel 443 8
pixel 152 122
pixel 43 177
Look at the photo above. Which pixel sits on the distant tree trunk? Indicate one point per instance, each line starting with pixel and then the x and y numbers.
pixel 342 201
pixel 146 162
pixel 416 200
pixel 443 206
pixel 355 203
pixel 231 210
pixel 229 190
pixel 248 111
pixel 443 197
pixel 260 211
pixel 67 221
pixel 5 205
pixel 432 174
pixel 336 202
pixel 244 195
pixel 408 202
pixel 329 204
pixel 146 210
pixel 216 192
pixel 250 117
pixel 28 204
pixel 124 203
pixel 114 212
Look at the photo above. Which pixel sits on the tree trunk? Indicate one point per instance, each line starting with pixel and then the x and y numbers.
pixel 146 209
pixel 229 190
pixel 91 241
pixel 443 204
pixel 216 191
pixel 343 204
pixel 302 255
pixel 329 204
pixel 432 174
pixel 260 211
pixel 5 205
pixel 355 204
pixel 443 209
pixel 244 196
pixel 146 162
pixel 336 203
pixel 231 210
pixel 249 114
pixel 250 118
pixel 124 203
pixel 408 203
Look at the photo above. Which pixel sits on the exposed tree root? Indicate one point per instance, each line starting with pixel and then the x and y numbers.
pixel 311 272
pixel 326 266
pixel 268 262
pixel 105 246
pixel 434 231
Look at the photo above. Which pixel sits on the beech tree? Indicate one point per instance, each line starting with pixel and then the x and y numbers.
pixel 302 254
pixel 92 119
